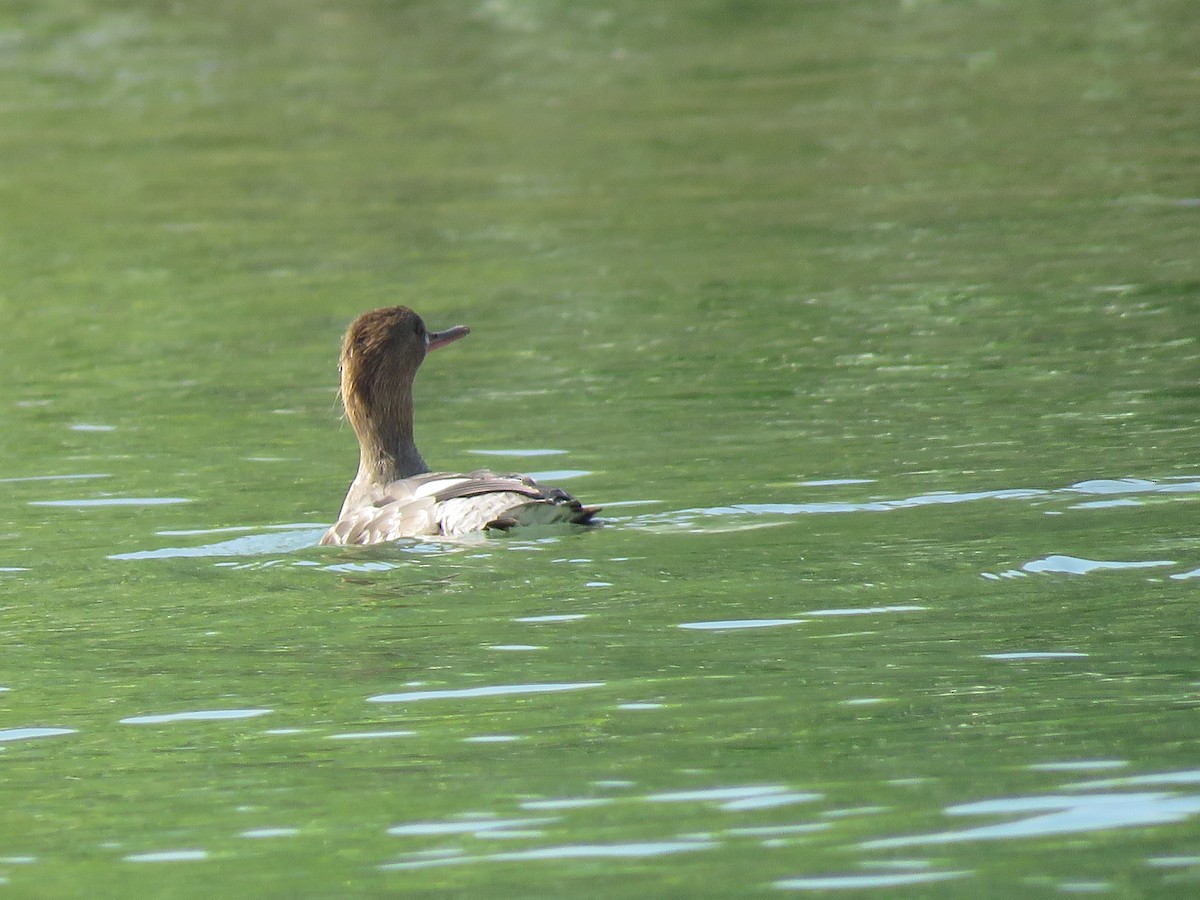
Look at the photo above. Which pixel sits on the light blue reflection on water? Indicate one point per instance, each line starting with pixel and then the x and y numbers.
pixel 83 476
pixel 1191 776
pixel 1058 814
pixel 558 474
pixel 860 882
pixel 566 803
pixel 467 826
pixel 769 801
pixel 250 545
pixel 1080 765
pixel 1035 654
pixel 519 453
pixel 568 851
pixel 498 690
pixel 270 832
pixel 273 540
pixel 202 715
pixel 21 734
pixel 1104 487
pixel 865 611
pixel 722 794
pixel 112 501
pixel 736 624
pixel 168 856
pixel 1073 565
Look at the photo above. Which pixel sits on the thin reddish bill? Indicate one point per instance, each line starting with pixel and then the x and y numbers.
pixel 449 336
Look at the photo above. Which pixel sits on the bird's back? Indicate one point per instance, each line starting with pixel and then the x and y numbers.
pixel 449 504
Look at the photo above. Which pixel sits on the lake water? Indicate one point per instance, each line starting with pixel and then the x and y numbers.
pixel 872 325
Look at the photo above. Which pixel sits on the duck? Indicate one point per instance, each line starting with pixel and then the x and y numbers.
pixel 394 495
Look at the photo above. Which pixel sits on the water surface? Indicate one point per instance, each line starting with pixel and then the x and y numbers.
pixel 871 325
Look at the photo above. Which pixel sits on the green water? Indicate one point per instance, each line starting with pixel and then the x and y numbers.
pixel 872 324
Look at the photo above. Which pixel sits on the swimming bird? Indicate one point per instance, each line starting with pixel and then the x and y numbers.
pixel 394 495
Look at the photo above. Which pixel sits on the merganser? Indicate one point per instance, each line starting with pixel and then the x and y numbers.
pixel 394 495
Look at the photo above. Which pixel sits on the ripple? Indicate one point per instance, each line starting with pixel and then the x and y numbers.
pixel 865 610
pixel 499 690
pixel 836 482
pixel 606 851
pixel 1058 814
pixel 376 566
pixel 859 882
pixel 201 715
pixel 1161 778
pixel 566 617
pixel 369 735
pixel 515 647
pixel 250 545
pixel 692 518
pixel 1134 486
pixel 168 856
pixel 492 739
pixel 470 826
pixel 1035 654
pixel 80 477
pixel 769 801
pixel 1074 565
pixel 21 734
pixel 724 795
pixel 1172 862
pixel 566 803
pixel 270 832
pixel 558 474
pixel 1081 765
pixel 569 851
pixel 533 451
pixel 778 830
pixel 1107 504
pixel 112 501
pixel 734 624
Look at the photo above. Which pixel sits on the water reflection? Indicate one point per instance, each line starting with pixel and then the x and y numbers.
pixel 701 519
pixel 568 851
pixel 83 476
pixel 566 803
pixel 862 882
pixel 300 538
pixel 1073 565
pixel 468 826
pixel 202 715
pixel 168 856
pixel 737 798
pixel 22 734
pixel 112 501
pixel 519 453
pixel 1057 814
pixel 286 539
pixel 270 832
pixel 499 690
pixel 737 624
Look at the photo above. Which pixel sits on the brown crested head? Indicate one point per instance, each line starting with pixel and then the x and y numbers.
pixel 380 356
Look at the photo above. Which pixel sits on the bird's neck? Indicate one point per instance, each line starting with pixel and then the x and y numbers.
pixel 386 450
